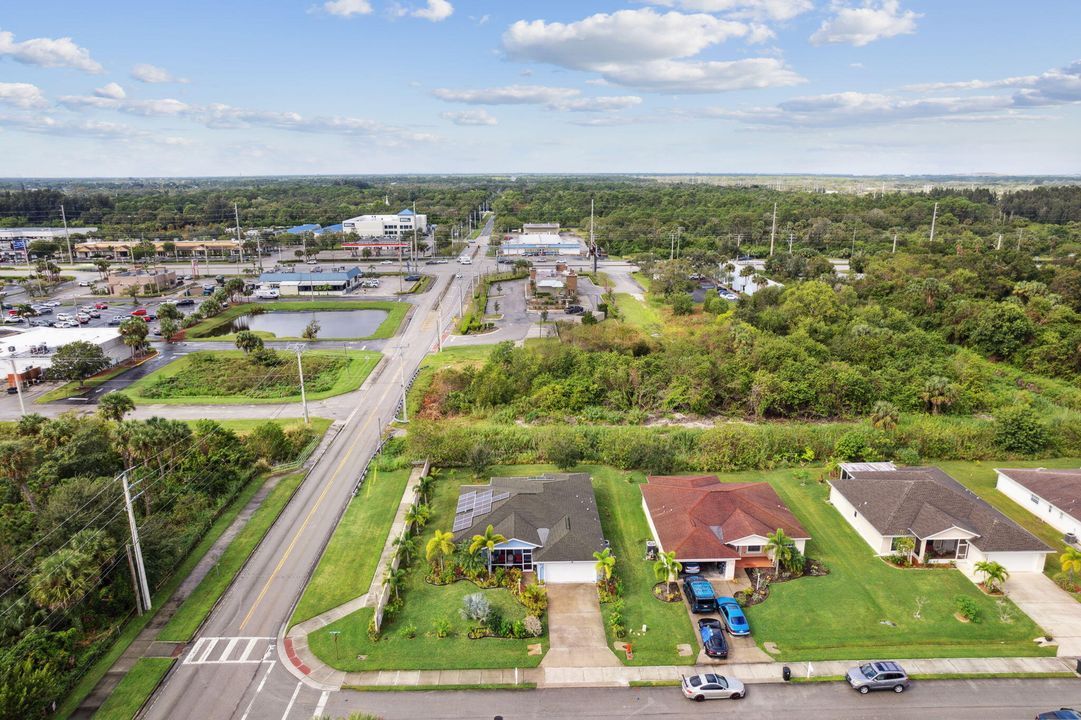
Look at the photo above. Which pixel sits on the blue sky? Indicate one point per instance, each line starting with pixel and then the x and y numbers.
pixel 120 88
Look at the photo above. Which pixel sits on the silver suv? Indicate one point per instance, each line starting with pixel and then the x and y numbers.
pixel 878 676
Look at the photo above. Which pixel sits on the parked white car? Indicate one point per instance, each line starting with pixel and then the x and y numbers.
pixel 267 294
pixel 64 317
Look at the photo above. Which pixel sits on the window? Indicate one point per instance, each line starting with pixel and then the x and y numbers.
pixel 519 558
pixel 1034 500
pixel 753 549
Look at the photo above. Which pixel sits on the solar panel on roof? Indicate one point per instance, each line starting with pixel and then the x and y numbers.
pixel 466 502
pixel 462 522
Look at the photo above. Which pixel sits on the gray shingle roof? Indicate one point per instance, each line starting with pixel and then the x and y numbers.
pixel 1061 488
pixel 556 512
pixel 924 501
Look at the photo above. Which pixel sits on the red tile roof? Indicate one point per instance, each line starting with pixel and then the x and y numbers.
pixel 695 516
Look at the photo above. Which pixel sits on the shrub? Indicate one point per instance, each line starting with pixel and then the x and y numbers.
pixel 533 625
pixel 476 607
pixel 1019 430
pixel 408 631
pixel 442 627
pixel 373 631
pixel 907 456
pixel 967 608
pixel 855 445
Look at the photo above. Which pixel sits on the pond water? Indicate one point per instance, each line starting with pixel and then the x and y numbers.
pixel 332 323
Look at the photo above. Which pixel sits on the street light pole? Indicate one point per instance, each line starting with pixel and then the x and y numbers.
pixel 303 396
pixel 18 387
pixel 405 412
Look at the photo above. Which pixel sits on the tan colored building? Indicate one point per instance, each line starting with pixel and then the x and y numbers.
pixel 121 249
pixel 146 282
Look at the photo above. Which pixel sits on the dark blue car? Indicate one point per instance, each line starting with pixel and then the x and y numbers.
pixel 734 619
pixel 713 638
pixel 699 594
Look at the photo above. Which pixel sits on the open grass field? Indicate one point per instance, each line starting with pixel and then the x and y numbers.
pixel 396 312
pixel 866 608
pixel 641 314
pixel 344 573
pixel 424 606
pixel 451 357
pixel 129 696
pixel 229 377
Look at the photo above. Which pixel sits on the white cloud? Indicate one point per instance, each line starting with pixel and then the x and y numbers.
pixel 165 107
pixel 347 8
pixel 628 36
pixel 649 50
pixel 754 9
pixel 435 10
pixel 48 125
pixel 860 26
pixel 147 73
pixel 48 52
pixel 469 117
pixel 111 90
pixel 705 77
pixel 22 95
pixel 555 98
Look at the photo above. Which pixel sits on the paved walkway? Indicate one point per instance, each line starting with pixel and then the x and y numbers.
pixel 1050 607
pixel 576 633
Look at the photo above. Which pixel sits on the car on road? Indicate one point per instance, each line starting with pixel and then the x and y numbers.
pixel 84 283
pixel 411 278
pixel 431 262
pixel 458 275
pixel 156 331
pixel 710 686
pixel 734 619
pixel 699 594
pixel 712 634
pixel 101 306
pixel 1060 714
pixel 312 261
pixel 575 310
pixel 386 262
pixel 878 675
pixel 185 301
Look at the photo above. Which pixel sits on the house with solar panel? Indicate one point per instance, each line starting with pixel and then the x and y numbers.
pixel 550 523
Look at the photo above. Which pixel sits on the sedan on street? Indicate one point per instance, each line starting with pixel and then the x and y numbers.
pixel 710 686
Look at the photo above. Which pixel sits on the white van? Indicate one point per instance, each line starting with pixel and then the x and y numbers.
pixel 267 294
pixel 64 317
pixel 465 260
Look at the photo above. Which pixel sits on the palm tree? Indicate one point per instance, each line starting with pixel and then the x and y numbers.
pixel 425 486
pixel 393 581
pixel 406 548
pixel 993 573
pixel 487 542
pixel 936 394
pixel 114 406
pixel 441 545
pixel 884 416
pixel 606 561
pixel 667 568
pixel 133 332
pixel 1070 562
pixel 780 547
pixel 416 517
pixel 18 458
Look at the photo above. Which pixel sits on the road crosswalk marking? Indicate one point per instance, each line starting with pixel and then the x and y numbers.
pixel 230 651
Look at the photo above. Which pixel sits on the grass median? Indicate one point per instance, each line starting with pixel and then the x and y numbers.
pixel 396 312
pixel 73 388
pixel 132 692
pixel 229 377
pixel 197 606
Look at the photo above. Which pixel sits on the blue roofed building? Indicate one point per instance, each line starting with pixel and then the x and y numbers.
pixel 309 227
pixel 311 282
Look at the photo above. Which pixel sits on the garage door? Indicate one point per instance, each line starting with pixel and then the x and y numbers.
pixel 570 572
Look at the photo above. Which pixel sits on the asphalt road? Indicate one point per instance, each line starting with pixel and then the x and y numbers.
pixel 233 670
pixel 929 700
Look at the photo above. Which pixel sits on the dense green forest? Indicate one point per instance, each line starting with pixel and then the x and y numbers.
pixel 65 587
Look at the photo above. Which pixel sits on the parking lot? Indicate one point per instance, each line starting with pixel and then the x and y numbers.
pixel 95 311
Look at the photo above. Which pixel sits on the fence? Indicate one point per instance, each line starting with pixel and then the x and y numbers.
pixel 384 591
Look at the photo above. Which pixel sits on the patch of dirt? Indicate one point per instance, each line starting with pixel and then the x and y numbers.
pixel 662 593
pixel 684 650
pixel 771 647
pixel 961 618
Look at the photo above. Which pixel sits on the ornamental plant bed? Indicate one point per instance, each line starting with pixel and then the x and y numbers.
pixel 664 592
pixel 993 592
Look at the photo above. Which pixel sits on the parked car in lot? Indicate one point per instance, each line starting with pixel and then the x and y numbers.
pixel 115 320
pixel 412 278
pixel 63 317
pixel 734 619
pixel 101 306
pixel 12 319
pixel 84 283
pixel 710 686
pixel 699 594
pixel 185 301
pixel 712 634
pixel 65 324
pixel 1060 714
pixel 574 310
pixel 879 675
pixel 82 318
pixel 40 323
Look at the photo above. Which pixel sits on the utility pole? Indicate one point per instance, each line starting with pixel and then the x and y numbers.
pixel 672 246
pixel 592 239
pixel 18 387
pixel 405 412
pixel 773 232
pixel 415 232
pixel 934 219
pixel 998 245
pixel 300 371
pixel 134 581
pixel 239 242
pixel 1019 234
pixel 894 243
pixel 789 242
pixel 679 238
pixel 140 569
pixel 67 235
pixel 439 325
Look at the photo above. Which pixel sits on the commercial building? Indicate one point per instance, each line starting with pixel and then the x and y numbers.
pixel 373 226
pixel 146 282
pixel 561 280
pixel 543 244
pixel 377 248
pixel 540 229
pixel 120 250
pixel 745 281
pixel 9 237
pixel 311 283
pixel 34 348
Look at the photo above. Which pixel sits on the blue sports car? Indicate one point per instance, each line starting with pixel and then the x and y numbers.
pixel 734 619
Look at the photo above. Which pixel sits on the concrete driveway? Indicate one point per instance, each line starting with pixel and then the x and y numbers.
pixel 1050 607
pixel 576 629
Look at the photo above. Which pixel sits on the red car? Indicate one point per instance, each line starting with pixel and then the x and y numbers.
pixel 101 306
pixel 140 312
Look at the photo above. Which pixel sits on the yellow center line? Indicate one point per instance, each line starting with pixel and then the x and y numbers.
pixel 304 525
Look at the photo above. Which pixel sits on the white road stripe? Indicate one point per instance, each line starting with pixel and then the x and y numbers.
pixel 322 705
pixel 204 647
pixel 224 657
pixel 258 690
pixel 211 642
pixel 248 649
pixel 289 707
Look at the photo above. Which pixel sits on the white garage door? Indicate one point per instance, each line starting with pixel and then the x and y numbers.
pixel 570 572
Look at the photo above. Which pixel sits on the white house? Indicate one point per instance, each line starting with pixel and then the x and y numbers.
pixel 385 225
pixel 746 283
pixel 550 523
pixel 948 522
pixel 1054 496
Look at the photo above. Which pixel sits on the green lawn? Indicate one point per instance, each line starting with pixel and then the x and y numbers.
pixel 425 605
pixel 455 357
pixel 133 690
pixel 197 606
pixel 348 564
pixel 980 477
pixel 396 312
pixel 196 378
pixel 243 427
pixel 842 615
pixel 636 312
pixel 73 388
